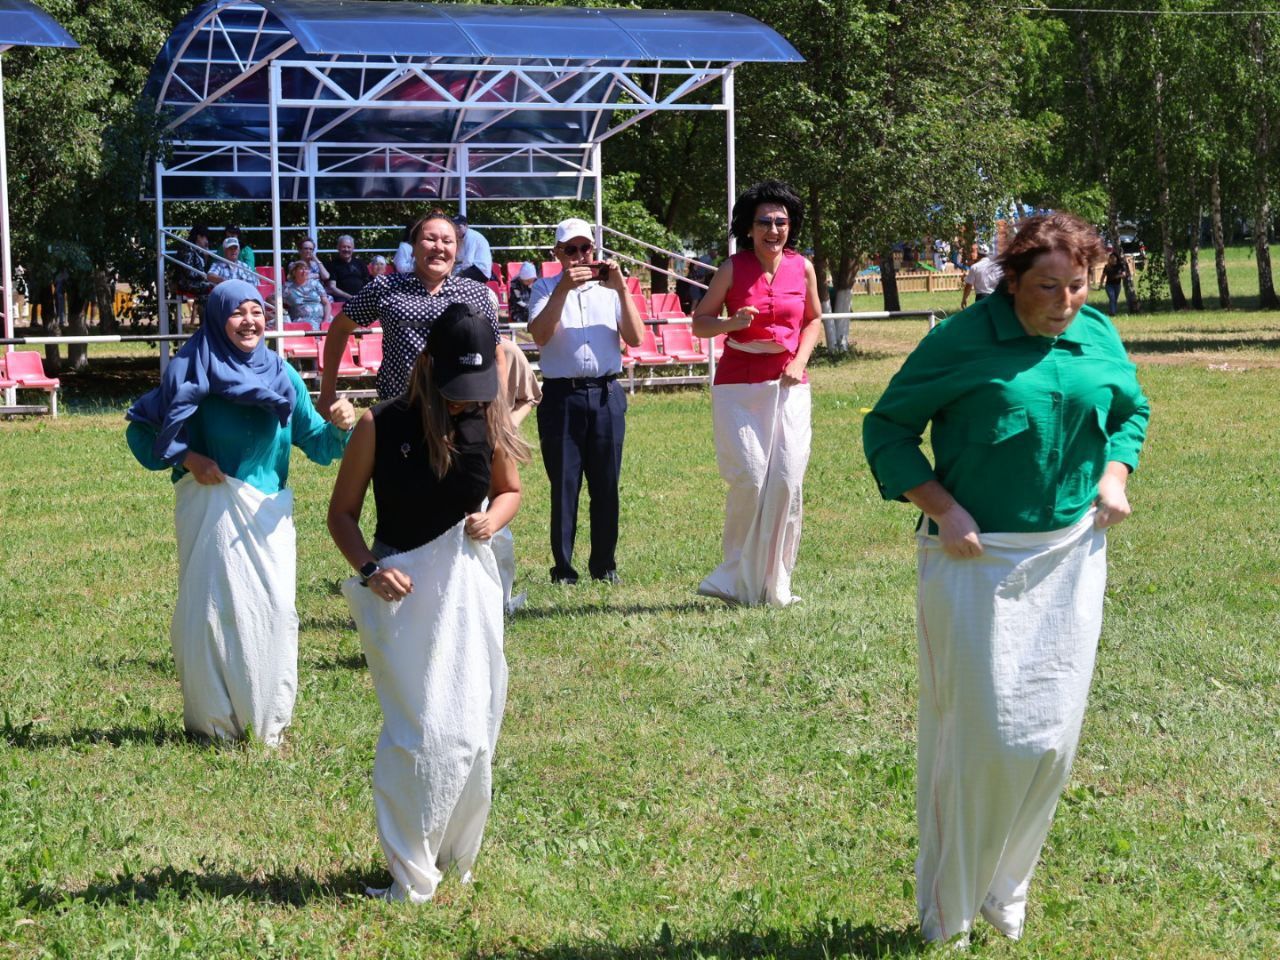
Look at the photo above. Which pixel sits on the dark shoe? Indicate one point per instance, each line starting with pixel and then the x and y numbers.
pixel 610 576
pixel 568 579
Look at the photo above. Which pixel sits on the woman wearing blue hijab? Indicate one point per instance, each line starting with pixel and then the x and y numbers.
pixel 225 417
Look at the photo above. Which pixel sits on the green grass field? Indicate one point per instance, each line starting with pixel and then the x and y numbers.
pixel 675 779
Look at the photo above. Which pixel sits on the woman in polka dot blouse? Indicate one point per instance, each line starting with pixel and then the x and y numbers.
pixel 405 305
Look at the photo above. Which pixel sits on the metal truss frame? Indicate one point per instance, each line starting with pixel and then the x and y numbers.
pixel 472 96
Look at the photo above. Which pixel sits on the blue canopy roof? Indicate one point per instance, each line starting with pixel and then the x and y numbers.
pixel 369 73
pixel 23 24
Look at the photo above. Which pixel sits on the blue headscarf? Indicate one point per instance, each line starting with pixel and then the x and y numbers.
pixel 209 364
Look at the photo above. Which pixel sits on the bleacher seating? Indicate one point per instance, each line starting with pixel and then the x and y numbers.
pixel 642 306
pixel 633 284
pixel 26 370
pixel 267 270
pixel 551 268
pixel 513 271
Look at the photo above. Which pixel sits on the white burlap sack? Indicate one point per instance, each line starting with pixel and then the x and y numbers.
pixel 441 678
pixel 504 552
pixel 235 628
pixel 1007 644
pixel 762 436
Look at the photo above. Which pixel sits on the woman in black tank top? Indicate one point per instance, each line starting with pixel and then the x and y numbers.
pixel 436 659
pixel 432 455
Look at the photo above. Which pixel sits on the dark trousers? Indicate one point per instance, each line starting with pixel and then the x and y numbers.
pixel 473 273
pixel 580 427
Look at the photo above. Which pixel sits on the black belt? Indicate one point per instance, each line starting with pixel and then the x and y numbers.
pixel 580 383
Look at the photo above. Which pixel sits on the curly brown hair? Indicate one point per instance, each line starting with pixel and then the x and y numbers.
pixel 1059 232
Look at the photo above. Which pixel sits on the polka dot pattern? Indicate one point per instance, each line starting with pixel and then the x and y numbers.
pixel 401 304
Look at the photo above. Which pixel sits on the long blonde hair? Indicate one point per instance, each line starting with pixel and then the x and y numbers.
pixel 437 425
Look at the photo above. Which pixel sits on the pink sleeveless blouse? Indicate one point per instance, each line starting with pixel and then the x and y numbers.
pixel 781 303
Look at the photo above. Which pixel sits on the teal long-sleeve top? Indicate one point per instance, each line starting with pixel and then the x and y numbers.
pixel 248 442
pixel 1023 426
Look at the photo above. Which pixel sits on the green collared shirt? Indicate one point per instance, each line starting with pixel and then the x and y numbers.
pixel 1022 426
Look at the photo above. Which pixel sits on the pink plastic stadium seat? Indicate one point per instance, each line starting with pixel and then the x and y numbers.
pixel 551 268
pixel 648 354
pixel 666 306
pixel 301 348
pixel 26 370
pixel 347 366
pixel 267 270
pixel 642 306
pixel 679 344
pixel 513 270
pixel 370 351
pixel 633 284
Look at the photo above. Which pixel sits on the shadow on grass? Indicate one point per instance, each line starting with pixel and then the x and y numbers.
pixel 1142 344
pixel 347 661
pixel 819 941
pixel 293 888
pixel 115 736
pixel 593 608
pixel 340 622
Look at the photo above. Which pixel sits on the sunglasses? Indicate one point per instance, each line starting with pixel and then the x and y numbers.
pixel 573 249
pixel 767 222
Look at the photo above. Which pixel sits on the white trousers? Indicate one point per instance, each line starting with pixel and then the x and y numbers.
pixel 235 627
pixel 762 436
pixel 1007 644
pixel 441 677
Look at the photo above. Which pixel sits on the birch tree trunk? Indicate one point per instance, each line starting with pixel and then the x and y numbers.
pixel 1219 243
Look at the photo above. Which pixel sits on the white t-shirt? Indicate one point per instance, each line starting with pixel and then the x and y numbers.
pixel 984 276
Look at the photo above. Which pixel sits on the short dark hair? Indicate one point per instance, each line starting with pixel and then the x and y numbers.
pixel 433 215
pixel 198 230
pixel 766 191
pixel 1059 232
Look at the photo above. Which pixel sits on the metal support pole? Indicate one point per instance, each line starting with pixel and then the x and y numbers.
pixel 597 168
pixel 731 190
pixel 273 99
pixel 313 223
pixel 6 264
pixel 464 167
pixel 162 294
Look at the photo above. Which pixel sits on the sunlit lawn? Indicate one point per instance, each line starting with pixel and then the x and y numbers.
pixel 674 778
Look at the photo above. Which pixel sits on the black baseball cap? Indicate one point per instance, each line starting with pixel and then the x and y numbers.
pixel 463 355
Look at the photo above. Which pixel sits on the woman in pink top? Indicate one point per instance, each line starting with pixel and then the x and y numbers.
pixel 760 399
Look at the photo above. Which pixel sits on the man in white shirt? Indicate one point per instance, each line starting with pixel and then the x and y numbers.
pixel 983 277
pixel 575 318
pixel 475 260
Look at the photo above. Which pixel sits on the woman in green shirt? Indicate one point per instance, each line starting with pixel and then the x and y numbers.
pixel 224 418
pixel 1036 421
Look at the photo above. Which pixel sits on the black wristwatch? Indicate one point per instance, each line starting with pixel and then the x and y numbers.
pixel 367 571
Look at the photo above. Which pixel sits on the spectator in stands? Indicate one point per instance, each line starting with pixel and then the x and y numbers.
pixel 347 272
pixel 404 253
pixel 236 269
pixel 519 292
pixel 475 261
pixel 193 279
pixel 428 601
pixel 247 256
pixel 1036 420
pixel 304 298
pixel 1113 276
pixel 377 266
pixel 983 277
pixel 575 319
pixel 307 254
pixel 405 305
pixel 224 418
pixel 760 400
